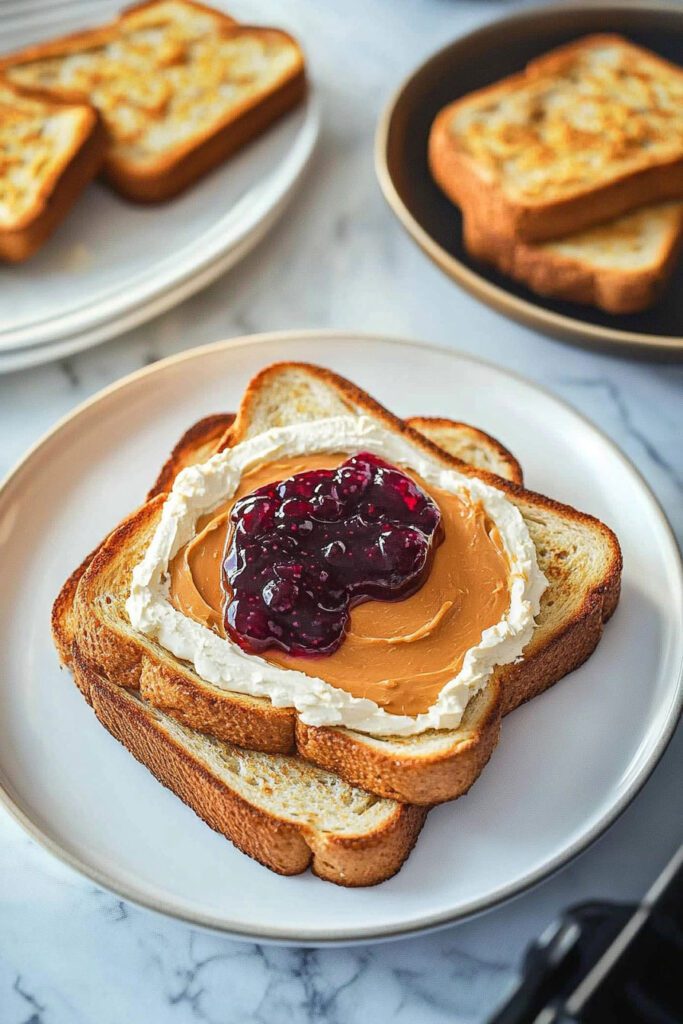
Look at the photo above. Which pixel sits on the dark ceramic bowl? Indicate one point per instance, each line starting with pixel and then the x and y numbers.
pixel 476 60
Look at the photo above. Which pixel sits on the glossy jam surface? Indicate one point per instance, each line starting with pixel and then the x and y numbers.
pixel 303 551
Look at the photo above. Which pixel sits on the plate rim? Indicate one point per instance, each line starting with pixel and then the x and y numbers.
pixel 29 357
pixel 525 311
pixel 139 896
pixel 194 264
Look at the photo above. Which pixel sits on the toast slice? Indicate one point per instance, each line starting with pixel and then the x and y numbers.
pixel 585 133
pixel 180 86
pixel 283 811
pixel 49 151
pixel 579 555
pixel 470 445
pixel 621 266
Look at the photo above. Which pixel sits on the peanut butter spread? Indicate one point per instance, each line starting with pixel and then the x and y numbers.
pixel 399 654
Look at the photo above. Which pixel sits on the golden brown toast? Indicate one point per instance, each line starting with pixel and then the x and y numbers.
pixel 49 150
pixel 179 85
pixel 283 811
pixel 622 266
pixel 585 133
pixel 578 554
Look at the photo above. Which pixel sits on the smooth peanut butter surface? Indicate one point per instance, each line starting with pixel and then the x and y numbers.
pixel 400 653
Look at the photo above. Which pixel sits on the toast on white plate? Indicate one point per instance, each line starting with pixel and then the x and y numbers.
pixel 49 151
pixel 587 132
pixel 281 810
pixel 179 85
pixel 578 555
pixel 622 266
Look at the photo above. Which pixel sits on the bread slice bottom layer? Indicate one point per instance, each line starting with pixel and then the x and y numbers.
pixel 621 267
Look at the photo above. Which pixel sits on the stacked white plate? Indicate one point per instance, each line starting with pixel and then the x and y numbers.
pixel 112 265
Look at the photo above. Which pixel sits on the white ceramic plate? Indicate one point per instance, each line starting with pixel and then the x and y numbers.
pixel 566 766
pixel 34 355
pixel 112 264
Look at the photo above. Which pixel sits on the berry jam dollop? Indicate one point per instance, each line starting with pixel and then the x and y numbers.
pixel 303 551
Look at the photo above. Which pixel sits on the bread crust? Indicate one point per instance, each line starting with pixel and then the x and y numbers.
pixel 430 425
pixel 424 780
pixel 245 722
pixel 196 445
pixel 567 651
pixel 349 860
pixel 61 189
pixel 461 179
pixel 551 273
pixel 440 774
pixel 174 171
pixel 129 9
pixel 62 620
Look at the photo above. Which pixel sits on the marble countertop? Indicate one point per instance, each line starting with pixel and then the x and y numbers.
pixel 71 953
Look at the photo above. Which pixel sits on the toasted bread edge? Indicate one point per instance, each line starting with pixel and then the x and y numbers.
pixel 552 274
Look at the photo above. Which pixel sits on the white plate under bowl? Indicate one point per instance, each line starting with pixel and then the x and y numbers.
pixel 112 263
pixel 566 766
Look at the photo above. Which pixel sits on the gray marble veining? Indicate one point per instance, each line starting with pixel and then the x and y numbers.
pixel 70 953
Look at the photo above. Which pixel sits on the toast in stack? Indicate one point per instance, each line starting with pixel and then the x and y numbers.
pixel 621 266
pixel 49 151
pixel 585 133
pixel 179 86
pixel 283 811
pixel 579 556
pixel 560 172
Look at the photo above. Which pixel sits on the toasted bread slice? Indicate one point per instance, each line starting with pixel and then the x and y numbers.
pixel 49 151
pixel 470 445
pixel 585 133
pixel 621 266
pixel 283 811
pixel 180 86
pixel 579 555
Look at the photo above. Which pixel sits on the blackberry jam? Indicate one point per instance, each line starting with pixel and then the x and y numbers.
pixel 303 551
